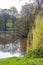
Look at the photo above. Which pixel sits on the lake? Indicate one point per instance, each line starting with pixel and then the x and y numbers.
pixel 11 47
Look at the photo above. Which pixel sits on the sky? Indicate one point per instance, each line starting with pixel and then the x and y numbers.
pixel 6 4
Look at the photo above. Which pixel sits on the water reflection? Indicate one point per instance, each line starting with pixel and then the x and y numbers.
pixel 12 49
pixel 10 45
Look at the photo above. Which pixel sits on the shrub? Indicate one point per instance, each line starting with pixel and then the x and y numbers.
pixel 36 53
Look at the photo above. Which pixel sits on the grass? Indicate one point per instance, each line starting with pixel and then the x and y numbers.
pixel 21 61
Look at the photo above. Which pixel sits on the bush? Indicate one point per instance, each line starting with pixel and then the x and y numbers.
pixel 36 53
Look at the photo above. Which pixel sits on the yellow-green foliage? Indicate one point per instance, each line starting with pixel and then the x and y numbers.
pixel 38 31
pixel 9 23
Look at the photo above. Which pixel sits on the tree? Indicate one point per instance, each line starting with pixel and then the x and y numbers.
pixel 27 16
pixel 38 31
pixel 13 11
pixel 7 14
pixel 38 5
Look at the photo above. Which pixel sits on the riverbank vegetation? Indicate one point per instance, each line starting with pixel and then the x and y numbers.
pixel 36 47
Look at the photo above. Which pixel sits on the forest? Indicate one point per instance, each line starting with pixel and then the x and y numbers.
pixel 28 24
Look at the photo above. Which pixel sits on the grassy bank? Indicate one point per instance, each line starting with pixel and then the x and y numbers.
pixel 21 61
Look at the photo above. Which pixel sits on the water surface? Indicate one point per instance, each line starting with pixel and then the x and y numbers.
pixel 16 49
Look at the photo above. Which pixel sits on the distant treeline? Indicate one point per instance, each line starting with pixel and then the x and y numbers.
pixel 23 22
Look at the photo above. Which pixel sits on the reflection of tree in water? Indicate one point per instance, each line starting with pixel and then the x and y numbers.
pixel 23 46
pixel 13 47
